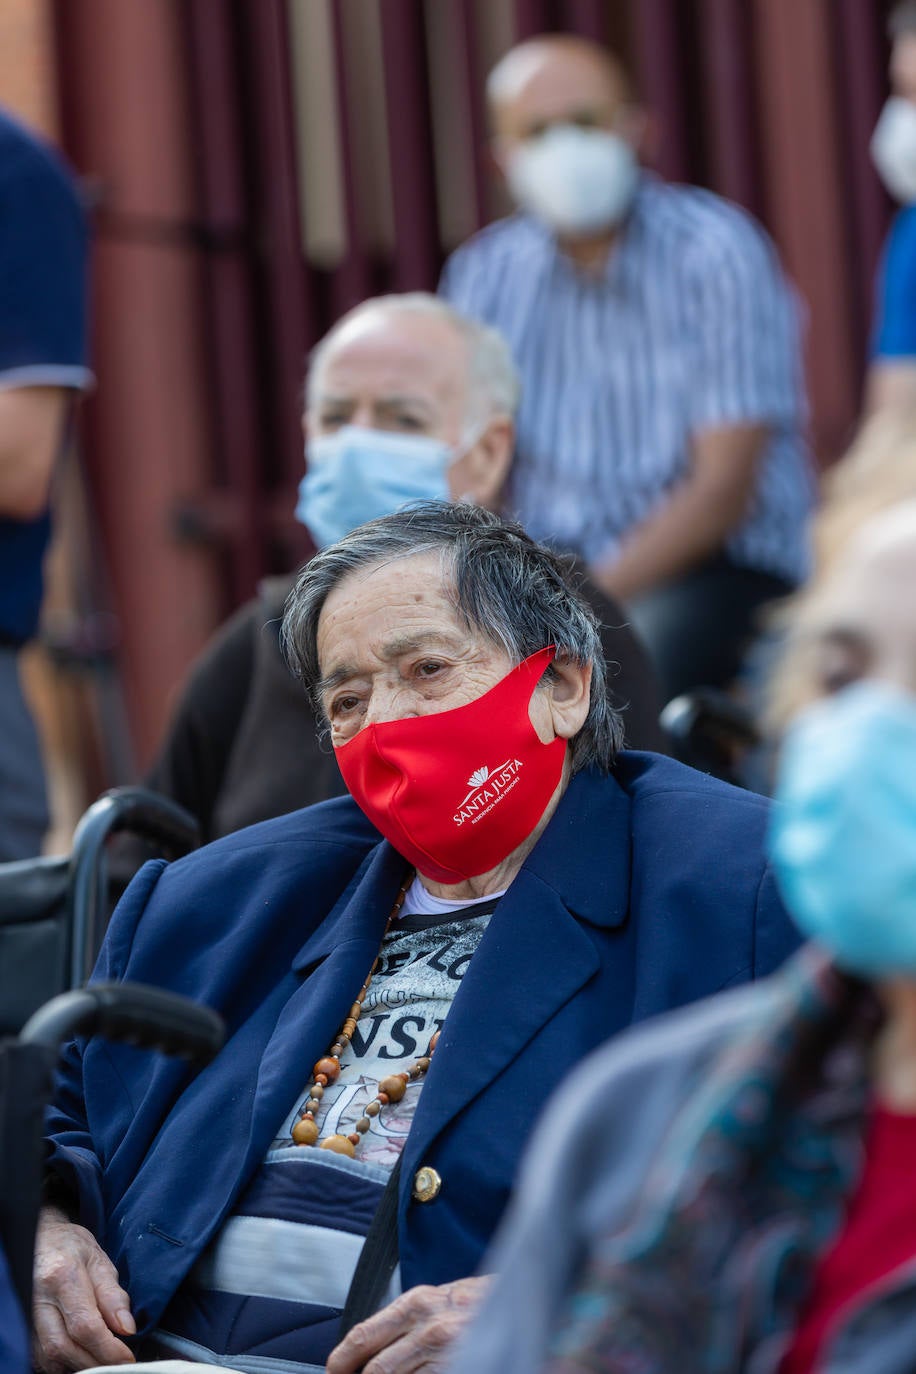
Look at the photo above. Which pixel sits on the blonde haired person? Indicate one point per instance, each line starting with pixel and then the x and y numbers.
pixel 733 1189
pixel 878 471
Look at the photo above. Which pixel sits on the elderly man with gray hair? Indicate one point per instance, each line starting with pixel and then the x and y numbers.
pixel 406 974
pixel 405 399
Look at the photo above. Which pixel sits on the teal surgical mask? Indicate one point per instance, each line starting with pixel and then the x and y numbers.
pixel 843 835
pixel 357 474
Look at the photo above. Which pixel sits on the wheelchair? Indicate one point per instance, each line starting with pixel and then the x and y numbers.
pixel 53 914
pixel 53 911
pixel 147 1017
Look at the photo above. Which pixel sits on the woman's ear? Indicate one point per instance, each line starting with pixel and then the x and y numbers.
pixel 560 705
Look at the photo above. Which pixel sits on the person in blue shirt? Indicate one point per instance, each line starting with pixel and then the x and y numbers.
pixel 43 247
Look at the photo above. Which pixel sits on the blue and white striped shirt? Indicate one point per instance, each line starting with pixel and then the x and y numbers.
pixel 691 326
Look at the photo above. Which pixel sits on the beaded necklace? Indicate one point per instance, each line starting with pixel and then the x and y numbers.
pixel 327 1069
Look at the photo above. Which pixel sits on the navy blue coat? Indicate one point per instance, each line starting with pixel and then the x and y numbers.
pixel 647 890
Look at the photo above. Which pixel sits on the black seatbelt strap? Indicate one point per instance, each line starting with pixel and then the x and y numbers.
pixel 378 1258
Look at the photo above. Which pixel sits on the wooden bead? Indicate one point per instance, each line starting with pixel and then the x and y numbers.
pixel 305 1131
pixel 317 1091
pixel 393 1087
pixel 353 1139
pixel 363 1125
pixel 373 1109
pixel 423 1064
pixel 433 1042
pixel 355 1011
pixel 340 1144
pixel 329 1068
pixel 382 1098
pixel 313 1104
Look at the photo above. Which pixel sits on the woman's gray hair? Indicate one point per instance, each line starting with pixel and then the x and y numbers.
pixel 517 593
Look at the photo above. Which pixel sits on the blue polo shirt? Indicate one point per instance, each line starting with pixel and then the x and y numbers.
pixel 895 315
pixel 43 249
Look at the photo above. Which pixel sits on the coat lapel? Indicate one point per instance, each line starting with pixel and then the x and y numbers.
pixel 241 1098
pixel 330 967
pixel 536 953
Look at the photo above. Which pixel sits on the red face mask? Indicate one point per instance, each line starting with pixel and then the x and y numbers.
pixel 457 792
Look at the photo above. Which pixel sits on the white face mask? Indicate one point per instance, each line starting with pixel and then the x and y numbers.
pixel 578 181
pixel 893 148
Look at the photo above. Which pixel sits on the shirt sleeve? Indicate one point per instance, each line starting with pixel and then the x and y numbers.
pixel 465 279
pixel 743 323
pixel 894 333
pixel 43 270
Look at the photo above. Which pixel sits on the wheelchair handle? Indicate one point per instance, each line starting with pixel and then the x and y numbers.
pixel 144 813
pixel 130 1012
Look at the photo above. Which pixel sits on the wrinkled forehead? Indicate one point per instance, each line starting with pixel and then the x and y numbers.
pixel 872 591
pixel 394 356
pixel 392 596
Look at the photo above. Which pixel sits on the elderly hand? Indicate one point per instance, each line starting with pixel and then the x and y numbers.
pixel 415 1333
pixel 78 1301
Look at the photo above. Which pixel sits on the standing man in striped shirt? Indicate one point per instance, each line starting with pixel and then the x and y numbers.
pixel 661 430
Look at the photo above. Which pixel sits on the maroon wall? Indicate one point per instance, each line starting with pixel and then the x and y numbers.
pixel 182 117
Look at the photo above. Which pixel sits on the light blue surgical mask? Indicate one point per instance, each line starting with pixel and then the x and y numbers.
pixel 357 474
pixel 843 836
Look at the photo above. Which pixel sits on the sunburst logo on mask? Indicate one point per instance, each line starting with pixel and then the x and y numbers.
pixel 488 787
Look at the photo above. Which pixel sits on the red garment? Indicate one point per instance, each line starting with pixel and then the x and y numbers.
pixel 879 1236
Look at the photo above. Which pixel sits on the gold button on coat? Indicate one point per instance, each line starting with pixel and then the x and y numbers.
pixel 426 1184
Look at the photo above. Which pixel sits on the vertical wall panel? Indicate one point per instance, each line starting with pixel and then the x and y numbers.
pixel 335 148
pixel 804 196
pixel 352 281
pixel 534 16
pixel 656 35
pixel 231 355
pixel 291 320
pixel 149 425
pixel 319 136
pixel 861 54
pixel 366 90
pixel 727 93
pixel 458 128
pixel 416 247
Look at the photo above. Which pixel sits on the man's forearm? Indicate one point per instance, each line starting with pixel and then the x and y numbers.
pixel 682 533
pixel 695 519
pixel 32 421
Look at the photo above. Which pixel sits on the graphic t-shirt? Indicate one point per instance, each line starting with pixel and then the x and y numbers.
pixel 421 965
pixel 274 1280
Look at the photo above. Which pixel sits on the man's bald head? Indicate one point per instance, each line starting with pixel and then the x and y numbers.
pixel 556 78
